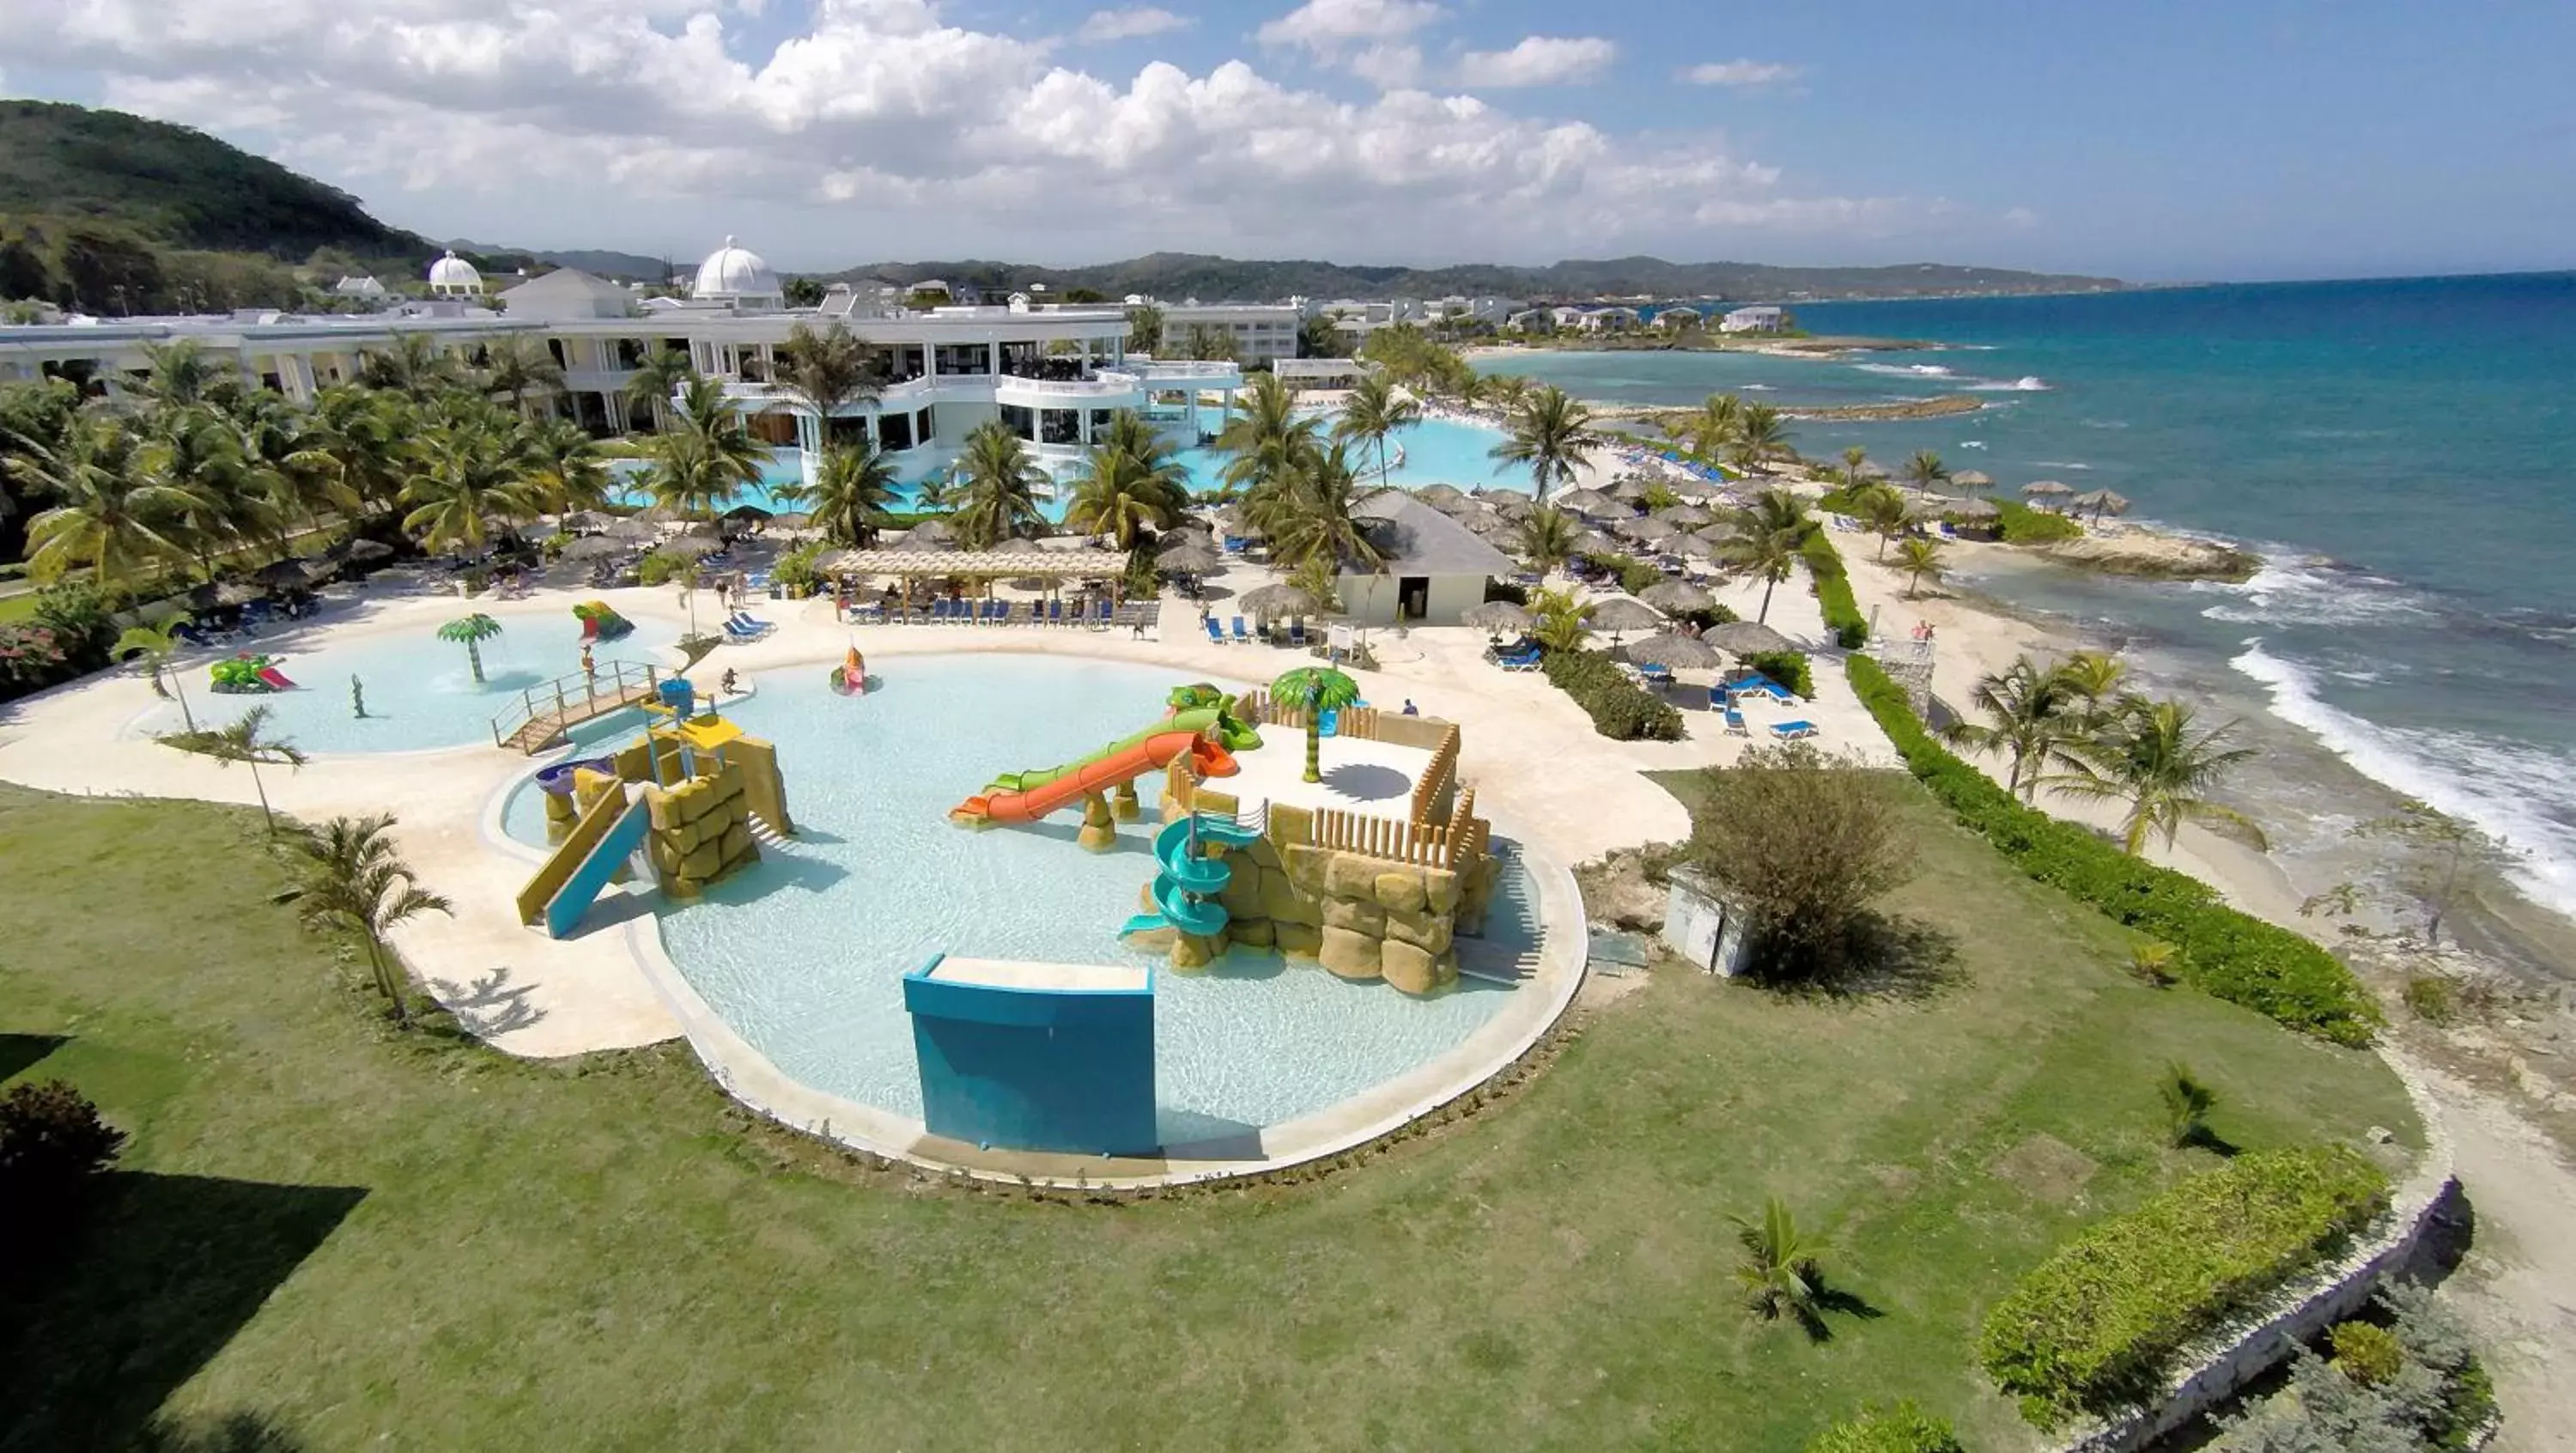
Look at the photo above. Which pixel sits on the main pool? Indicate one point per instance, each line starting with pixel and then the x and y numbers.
pixel 804 954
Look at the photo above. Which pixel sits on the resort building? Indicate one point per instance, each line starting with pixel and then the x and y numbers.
pixel 1532 320
pixel 362 289
pixel 1676 320
pixel 453 277
pixel 1754 320
pixel 1260 332
pixel 1432 569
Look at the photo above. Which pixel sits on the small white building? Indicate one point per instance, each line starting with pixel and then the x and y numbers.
pixel 1609 320
pixel 1532 320
pixel 1754 320
pixel 360 289
pixel 1433 569
pixel 1678 320
pixel 453 277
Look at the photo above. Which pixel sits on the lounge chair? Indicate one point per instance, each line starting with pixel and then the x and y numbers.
pixel 1735 723
pixel 1656 675
pixel 1055 613
pixel 1241 636
pixel 943 610
pixel 1297 634
pixel 738 634
pixel 751 622
pixel 1790 731
pixel 1216 633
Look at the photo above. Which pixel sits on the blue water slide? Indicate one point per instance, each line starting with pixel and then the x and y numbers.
pixel 1186 886
pixel 573 899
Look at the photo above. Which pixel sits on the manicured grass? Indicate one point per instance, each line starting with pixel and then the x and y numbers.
pixel 413 1243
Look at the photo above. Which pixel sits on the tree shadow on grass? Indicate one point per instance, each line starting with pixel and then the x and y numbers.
pixel 1881 956
pixel 165 1271
pixel 2201 1137
pixel 20 1052
pixel 1831 1301
pixel 236 1432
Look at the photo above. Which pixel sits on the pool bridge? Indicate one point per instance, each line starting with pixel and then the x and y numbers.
pixel 546 711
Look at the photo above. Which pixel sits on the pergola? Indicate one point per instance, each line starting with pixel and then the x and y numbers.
pixel 988 565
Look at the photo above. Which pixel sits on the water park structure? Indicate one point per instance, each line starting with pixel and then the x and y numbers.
pixel 1196 725
pixel 247 674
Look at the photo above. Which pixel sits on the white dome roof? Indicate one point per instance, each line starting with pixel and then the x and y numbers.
pixel 735 272
pixel 455 272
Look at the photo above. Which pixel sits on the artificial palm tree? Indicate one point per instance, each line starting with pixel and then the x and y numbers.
pixel 521 366
pixel 1263 438
pixel 1374 410
pixel 657 376
pixel 1320 689
pixel 473 630
pixel 155 645
pixel 2150 756
pixel 706 458
pixel 353 881
pixel 1545 537
pixel 1765 538
pixel 245 741
pixel 1919 559
pixel 1778 1269
pixel 108 513
pixel 2031 716
pixel 826 371
pixel 998 496
pixel 1118 495
pixel 1880 508
pixel 1558 621
pixel 466 476
pixel 1711 427
pixel 1551 434
pixel 1925 470
pixel 853 491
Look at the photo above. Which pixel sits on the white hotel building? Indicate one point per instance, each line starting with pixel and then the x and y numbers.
pixel 1055 374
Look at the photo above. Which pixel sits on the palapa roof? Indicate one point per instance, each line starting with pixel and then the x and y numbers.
pixel 1009 559
pixel 1419 540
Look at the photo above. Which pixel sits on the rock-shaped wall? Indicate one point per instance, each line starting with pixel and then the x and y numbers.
pixel 701 831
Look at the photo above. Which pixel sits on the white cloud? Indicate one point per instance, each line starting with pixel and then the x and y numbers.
pixel 1741 73
pixel 881 129
pixel 1539 60
pixel 1133 23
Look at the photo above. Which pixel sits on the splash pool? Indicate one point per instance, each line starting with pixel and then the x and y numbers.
pixel 420 691
pixel 803 954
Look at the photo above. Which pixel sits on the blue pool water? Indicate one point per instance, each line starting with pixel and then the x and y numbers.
pixel 420 693
pixel 804 953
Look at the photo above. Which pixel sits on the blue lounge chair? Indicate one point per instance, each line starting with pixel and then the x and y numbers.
pixel 1216 633
pixel 1655 675
pixel 1100 612
pixel 942 611
pixel 738 634
pixel 1735 722
pixel 750 622
pixel 1241 636
pixel 1297 634
pixel 1790 731
pixel 1055 613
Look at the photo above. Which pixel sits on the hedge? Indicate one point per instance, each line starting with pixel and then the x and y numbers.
pixel 2098 1323
pixel 1619 708
pixel 2023 525
pixel 1834 592
pixel 1789 668
pixel 1903 1428
pixel 2230 955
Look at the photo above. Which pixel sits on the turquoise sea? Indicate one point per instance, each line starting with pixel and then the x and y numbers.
pixel 2402 453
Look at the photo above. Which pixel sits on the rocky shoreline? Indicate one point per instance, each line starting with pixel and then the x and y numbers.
pixel 2147 556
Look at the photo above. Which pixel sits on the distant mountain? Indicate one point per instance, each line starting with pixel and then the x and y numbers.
pixel 1176 275
pixel 598 262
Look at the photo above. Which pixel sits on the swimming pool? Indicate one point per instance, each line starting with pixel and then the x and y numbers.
pixel 803 954
pixel 420 692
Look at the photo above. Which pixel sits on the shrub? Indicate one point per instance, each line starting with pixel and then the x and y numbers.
pixel 1634 575
pixel 659 568
pixel 2022 525
pixel 1620 709
pixel 2368 1354
pixel 2429 996
pixel 2426 1392
pixel 2097 1323
pixel 2225 953
pixel 78 615
pixel 795 570
pixel 1903 1428
pixel 1789 668
pixel 1834 592
pixel 52 1144
pixel 1802 842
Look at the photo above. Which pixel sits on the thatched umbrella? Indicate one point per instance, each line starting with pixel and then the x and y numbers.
pixel 2046 489
pixel 1440 496
pixel 1490 525
pixel 359 550
pixel 288 574
pixel 658 514
pixel 1697 547
pixel 1623 613
pixel 1672 651
pixel 1698 491
pixel 1634 487
pixel 1745 638
pixel 791 520
pixel 1272 602
pixel 2101 502
pixel 1676 596
pixel 1589 502
pixel 635 528
pixel 1180 540
pixel 752 514
pixel 691 545
pixel 593 547
pixel 1498 615
pixel 1189 560
pixel 1975 509
pixel 1688 517
pixel 1593 542
pixel 1973 479
pixel 1510 504
pixel 584 522
pixel 1647 529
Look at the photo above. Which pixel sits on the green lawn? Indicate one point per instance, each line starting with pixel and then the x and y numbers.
pixel 420 1244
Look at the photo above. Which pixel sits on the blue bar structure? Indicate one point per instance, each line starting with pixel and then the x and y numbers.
pixel 1044 1057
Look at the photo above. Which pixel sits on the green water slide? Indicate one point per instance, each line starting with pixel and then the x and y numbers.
pixel 1186 886
pixel 1233 735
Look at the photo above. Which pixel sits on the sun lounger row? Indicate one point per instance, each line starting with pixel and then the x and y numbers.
pixel 1294 636
pixel 1099 614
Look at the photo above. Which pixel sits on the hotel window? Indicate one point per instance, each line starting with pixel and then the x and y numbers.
pixel 894 432
pixel 925 428
pixel 1059 426
pixel 1020 420
pixel 1100 421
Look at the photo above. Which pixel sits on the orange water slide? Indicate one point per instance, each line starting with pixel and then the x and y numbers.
pixel 1151 755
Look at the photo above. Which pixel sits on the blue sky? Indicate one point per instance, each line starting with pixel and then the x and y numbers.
pixel 2253 140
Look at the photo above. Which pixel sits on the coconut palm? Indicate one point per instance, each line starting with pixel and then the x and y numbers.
pixel 565 470
pixel 2096 677
pixel 1765 538
pixel 1558 621
pixel 1263 438
pixel 1546 537
pixel 1119 495
pixel 1882 510
pixel 473 630
pixel 2150 756
pixel 2031 716
pixel 1778 1269
pixel 155 645
pixel 1925 470
pixel 109 513
pixel 1318 518
pixel 520 366
pixel 1710 428
pixel 1374 410
pixel 415 366
pixel 1854 457
pixel 854 490
pixel 466 476
pixel 215 501
pixel 657 376
pixel 1319 689
pixel 362 433
pixel 1760 437
pixel 354 882
pixel 1551 434
pixel 245 741
pixel 1508 391
pixel 183 375
pixel 826 371
pixel 998 498
pixel 706 458
pixel 1919 559
pixel 282 447
pixel 2187 1104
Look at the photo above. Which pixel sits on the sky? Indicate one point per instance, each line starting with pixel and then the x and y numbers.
pixel 2169 141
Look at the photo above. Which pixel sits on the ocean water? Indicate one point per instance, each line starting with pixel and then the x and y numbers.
pixel 2402 453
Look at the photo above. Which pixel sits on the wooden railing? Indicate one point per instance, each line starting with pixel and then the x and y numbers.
pixel 568 700
pixel 1434 782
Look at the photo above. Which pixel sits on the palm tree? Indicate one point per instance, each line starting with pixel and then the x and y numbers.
pixel 363 433
pixel 1925 470
pixel 2031 716
pixel 1316 518
pixel 1778 1268
pixel 1559 622
pixel 2096 677
pixel 184 375
pixel 1319 689
pixel 1263 438
pixel 1765 539
pixel 1882 509
pixel 466 475
pixel 283 448
pixel 1550 433
pixel 109 513
pixel 156 645
pixel 2149 756
pixel 565 470
pixel 354 882
pixel 246 742
pixel 520 366
pixel 854 489
pixel 1546 538
pixel 473 630
pixel 214 500
pixel 827 371
pixel 1119 494
pixel 1711 427
pixel 415 366
pixel 1374 410
pixel 707 457
pixel 999 497
pixel 1508 391
pixel 2187 1104
pixel 1854 456
pixel 657 376
pixel 1760 437
pixel 1918 559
